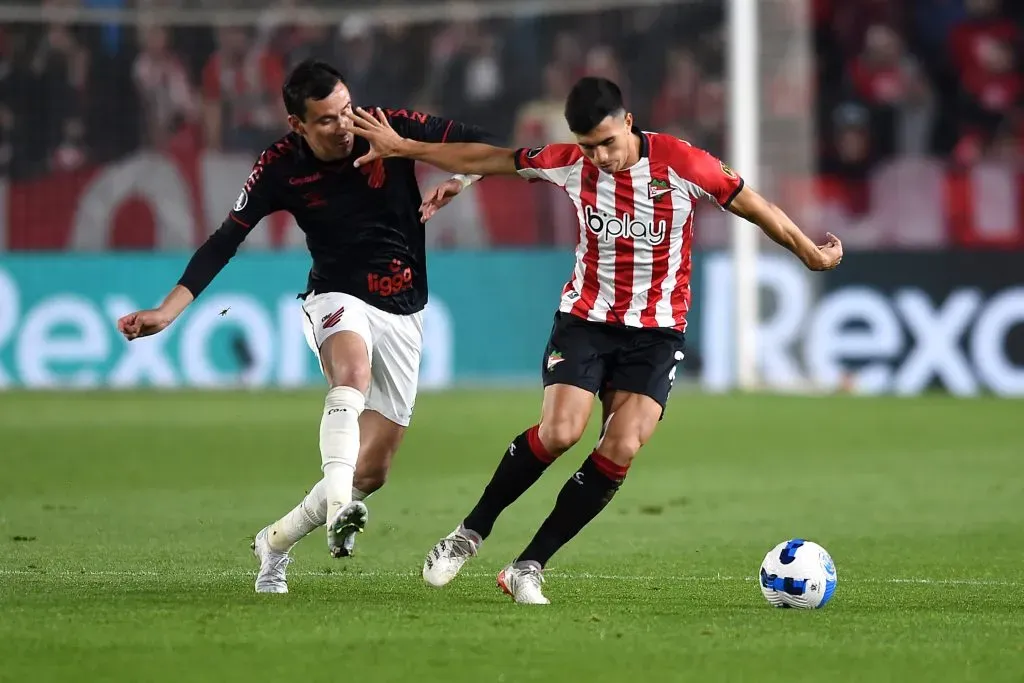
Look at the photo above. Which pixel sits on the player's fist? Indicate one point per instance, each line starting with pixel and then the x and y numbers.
pixel 830 253
pixel 438 198
pixel 143 323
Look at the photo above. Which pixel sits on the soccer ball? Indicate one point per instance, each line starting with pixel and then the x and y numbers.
pixel 798 573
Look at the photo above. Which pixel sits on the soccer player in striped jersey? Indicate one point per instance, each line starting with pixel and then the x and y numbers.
pixel 619 329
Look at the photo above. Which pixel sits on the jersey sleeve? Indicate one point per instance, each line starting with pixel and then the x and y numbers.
pixel 706 175
pixel 428 128
pixel 256 200
pixel 552 163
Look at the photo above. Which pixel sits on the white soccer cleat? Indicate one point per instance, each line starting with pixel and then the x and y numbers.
pixel 341 531
pixel 446 558
pixel 522 581
pixel 273 565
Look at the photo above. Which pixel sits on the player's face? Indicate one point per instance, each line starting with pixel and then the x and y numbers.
pixel 610 145
pixel 324 126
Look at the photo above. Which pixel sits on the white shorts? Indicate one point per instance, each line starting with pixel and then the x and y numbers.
pixel 393 344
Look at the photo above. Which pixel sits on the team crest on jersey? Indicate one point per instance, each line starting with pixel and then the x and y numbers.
pixel 728 171
pixel 656 189
pixel 243 199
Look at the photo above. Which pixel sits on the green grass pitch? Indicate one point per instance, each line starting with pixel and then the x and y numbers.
pixel 125 522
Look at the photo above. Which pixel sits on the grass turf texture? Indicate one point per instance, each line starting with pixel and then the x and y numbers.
pixel 125 521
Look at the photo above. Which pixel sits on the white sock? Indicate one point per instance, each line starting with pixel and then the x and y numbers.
pixel 359 495
pixel 307 516
pixel 339 444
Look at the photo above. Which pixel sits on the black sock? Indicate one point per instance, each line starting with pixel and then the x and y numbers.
pixel 586 493
pixel 521 466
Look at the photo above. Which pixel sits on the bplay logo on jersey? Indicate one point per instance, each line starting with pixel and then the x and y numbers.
pixel 609 227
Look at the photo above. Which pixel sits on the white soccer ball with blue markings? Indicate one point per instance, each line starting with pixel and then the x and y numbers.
pixel 799 574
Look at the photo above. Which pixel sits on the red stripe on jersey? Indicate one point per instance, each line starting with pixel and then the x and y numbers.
pixel 663 215
pixel 591 281
pixel 624 250
pixel 681 292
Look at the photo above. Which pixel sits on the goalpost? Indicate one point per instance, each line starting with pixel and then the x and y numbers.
pixel 744 151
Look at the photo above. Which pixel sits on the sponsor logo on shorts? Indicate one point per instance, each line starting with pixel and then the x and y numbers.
pixel 554 359
pixel 332 319
pixel 398 279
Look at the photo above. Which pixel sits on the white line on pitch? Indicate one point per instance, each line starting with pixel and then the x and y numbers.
pixel 372 574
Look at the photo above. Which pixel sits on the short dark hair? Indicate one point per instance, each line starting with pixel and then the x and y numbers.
pixel 310 79
pixel 590 101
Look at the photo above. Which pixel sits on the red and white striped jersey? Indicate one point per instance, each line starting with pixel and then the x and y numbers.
pixel 633 257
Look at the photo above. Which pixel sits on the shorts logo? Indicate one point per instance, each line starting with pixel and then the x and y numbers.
pixel 242 200
pixel 554 359
pixel 332 319
pixel 672 373
pixel 534 153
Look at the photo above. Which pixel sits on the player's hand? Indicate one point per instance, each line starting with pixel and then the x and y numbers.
pixel 384 141
pixel 143 323
pixel 438 198
pixel 831 253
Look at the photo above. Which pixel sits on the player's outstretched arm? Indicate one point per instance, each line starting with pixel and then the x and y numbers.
pixel 777 225
pixel 145 323
pixel 455 157
pixel 256 200
pixel 204 265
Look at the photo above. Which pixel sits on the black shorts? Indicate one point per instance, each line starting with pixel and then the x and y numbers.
pixel 603 357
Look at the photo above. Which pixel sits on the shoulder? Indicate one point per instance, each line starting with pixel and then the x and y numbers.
pixel 670 150
pixel 278 158
pixel 286 148
pixel 402 113
pixel 686 159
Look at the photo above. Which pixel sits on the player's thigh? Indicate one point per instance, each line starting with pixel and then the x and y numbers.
pixel 631 420
pixel 394 376
pixel 645 364
pixel 379 440
pixel 575 354
pixel 565 412
pixel 337 329
pixel 573 369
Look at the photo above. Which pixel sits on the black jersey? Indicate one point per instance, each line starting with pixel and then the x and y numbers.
pixel 362 224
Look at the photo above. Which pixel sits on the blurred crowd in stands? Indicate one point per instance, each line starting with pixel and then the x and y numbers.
pixel 938 80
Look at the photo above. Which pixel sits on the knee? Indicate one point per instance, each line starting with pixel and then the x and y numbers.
pixel 621 447
pixel 371 480
pixel 343 374
pixel 561 434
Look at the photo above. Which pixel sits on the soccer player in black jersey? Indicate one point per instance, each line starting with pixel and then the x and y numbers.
pixel 363 302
